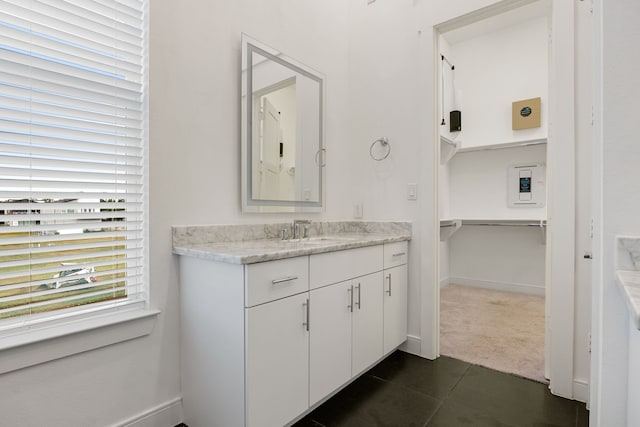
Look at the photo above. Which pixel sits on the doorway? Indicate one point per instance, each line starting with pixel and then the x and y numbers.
pixel 541 237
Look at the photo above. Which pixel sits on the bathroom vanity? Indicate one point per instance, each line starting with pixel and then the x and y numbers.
pixel 271 328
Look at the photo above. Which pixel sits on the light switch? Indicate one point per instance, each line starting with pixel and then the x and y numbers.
pixel 412 191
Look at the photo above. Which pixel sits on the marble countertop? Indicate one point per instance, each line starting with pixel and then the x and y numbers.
pixel 252 243
pixel 252 251
pixel 628 274
pixel 629 282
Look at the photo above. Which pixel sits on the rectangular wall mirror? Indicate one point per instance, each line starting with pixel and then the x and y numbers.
pixel 283 155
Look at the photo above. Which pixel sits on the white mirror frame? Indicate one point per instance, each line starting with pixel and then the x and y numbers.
pixel 249 204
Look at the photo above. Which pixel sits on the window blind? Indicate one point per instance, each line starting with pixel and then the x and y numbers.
pixel 71 157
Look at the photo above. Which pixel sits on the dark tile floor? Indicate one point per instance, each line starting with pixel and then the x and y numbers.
pixel 406 390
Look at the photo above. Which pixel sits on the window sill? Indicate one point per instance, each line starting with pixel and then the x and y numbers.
pixel 44 344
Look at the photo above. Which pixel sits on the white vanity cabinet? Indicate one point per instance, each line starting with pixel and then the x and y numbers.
pixel 277 354
pixel 367 323
pixel 263 343
pixel 330 346
pixel 395 294
pixel 346 333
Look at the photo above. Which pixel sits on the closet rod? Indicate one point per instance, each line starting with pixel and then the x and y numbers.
pixel 505 224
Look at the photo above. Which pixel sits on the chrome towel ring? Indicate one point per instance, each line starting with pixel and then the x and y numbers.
pixel 385 147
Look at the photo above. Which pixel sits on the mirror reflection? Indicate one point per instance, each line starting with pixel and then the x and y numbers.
pixel 283 154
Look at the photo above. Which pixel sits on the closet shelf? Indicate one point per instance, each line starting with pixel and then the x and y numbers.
pixel 450 226
pixel 504 145
pixel 448 149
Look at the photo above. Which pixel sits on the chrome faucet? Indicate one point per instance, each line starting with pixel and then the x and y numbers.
pixel 305 223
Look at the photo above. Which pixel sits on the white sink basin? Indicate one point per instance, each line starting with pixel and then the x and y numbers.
pixel 319 240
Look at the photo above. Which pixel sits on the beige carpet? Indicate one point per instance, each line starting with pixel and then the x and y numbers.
pixel 499 330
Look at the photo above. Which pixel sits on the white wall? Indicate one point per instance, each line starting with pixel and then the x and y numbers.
pixel 617 201
pixel 195 179
pixel 478 183
pixel 502 258
pixel 443 175
pixel 495 69
pixel 383 79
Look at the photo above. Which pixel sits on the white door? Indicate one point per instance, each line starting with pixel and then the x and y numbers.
pixel 367 322
pixel 395 307
pixel 277 385
pixel 270 150
pixel 330 339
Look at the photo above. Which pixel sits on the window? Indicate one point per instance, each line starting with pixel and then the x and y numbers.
pixel 72 132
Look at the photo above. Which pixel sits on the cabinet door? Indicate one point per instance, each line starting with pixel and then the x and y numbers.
pixel 330 339
pixel 366 322
pixel 277 355
pixel 395 307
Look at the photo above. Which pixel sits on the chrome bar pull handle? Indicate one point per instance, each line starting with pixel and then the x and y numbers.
pixel 359 296
pixel 350 305
pixel 306 320
pixel 284 279
pixel 389 278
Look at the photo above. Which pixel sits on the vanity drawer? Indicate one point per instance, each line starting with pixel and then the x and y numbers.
pixel 333 267
pixel 271 280
pixel 395 254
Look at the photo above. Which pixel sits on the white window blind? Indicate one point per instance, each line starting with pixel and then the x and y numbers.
pixel 71 157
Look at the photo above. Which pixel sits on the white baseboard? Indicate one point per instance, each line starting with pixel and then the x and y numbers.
pixel 581 391
pixel 412 345
pixel 168 414
pixel 498 286
pixel 444 282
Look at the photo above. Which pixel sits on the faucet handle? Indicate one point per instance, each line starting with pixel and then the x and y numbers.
pixel 284 234
pixel 296 227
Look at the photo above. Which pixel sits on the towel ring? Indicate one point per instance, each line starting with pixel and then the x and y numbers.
pixel 384 142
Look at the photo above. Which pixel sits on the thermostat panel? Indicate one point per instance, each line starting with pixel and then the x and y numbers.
pixel 526 185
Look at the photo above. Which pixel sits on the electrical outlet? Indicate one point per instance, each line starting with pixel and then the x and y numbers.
pixel 357 211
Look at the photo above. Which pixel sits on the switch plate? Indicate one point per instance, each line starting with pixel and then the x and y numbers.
pixel 412 191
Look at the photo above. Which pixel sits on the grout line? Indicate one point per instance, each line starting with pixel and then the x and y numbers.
pixel 440 405
pixel 448 394
pixel 466 371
